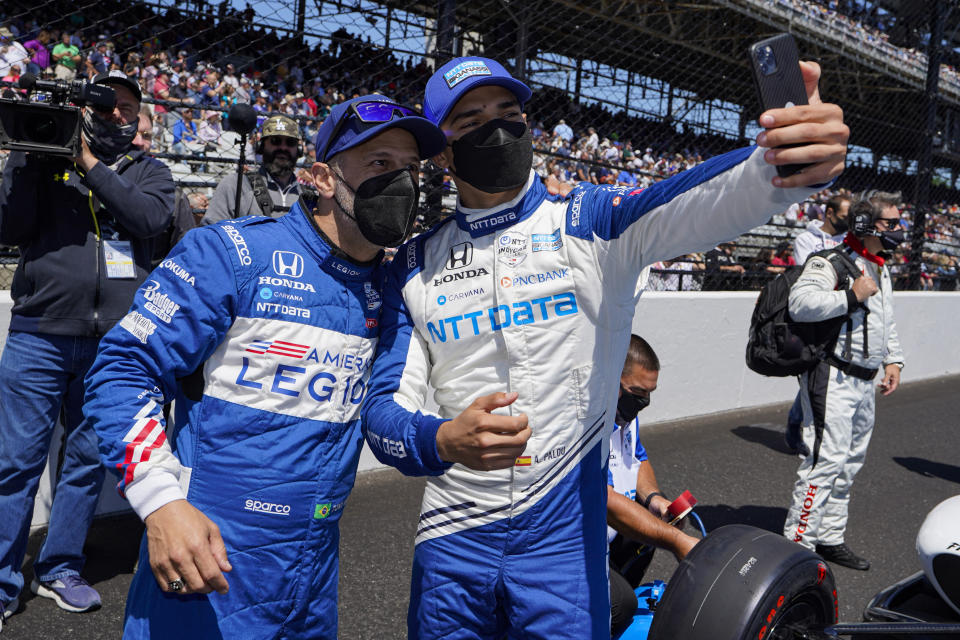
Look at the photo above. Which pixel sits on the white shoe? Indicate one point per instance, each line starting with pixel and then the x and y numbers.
pixel 9 610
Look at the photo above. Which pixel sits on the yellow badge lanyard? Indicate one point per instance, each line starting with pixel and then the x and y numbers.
pixel 93 211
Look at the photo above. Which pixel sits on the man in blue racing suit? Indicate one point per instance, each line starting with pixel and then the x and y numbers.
pixel 263 329
pixel 517 311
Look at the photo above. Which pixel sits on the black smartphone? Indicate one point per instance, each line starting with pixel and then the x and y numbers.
pixel 776 74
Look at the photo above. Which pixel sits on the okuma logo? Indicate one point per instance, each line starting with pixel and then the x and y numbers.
pixel 288 264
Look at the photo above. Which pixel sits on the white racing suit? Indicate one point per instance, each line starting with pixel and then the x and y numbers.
pixel 838 406
pixel 535 296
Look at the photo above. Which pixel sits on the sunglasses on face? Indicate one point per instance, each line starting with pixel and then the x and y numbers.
pixel 282 141
pixel 369 114
pixel 889 223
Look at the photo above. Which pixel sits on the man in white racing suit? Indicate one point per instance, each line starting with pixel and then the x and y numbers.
pixel 820 235
pixel 838 394
pixel 517 311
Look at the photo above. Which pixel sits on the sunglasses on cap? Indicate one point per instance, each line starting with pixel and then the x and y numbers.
pixel 369 114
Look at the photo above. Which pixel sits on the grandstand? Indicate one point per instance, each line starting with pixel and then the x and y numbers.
pixel 662 84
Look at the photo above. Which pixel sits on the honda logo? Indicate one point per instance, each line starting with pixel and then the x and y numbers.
pixel 461 255
pixel 288 263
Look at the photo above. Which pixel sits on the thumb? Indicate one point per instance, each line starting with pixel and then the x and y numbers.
pixel 494 401
pixel 219 551
pixel 811 80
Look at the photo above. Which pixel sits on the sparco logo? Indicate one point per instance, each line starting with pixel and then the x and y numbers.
pixel 287 263
pixel 411 256
pixel 267 507
pixel 461 255
pixel 290 284
pixel 460 275
pixel 575 209
pixel 239 243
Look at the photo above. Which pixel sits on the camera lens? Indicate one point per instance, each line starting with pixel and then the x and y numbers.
pixel 766 60
pixel 40 127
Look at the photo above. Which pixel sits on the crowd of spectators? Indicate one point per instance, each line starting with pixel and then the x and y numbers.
pixel 196 67
pixel 870 30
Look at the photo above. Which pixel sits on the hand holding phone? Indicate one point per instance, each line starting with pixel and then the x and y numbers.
pixel 776 74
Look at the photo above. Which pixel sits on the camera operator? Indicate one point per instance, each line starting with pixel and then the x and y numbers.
pixel 84 227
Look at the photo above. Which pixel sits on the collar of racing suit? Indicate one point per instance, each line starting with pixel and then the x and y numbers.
pixel 480 222
pixel 854 243
pixel 330 257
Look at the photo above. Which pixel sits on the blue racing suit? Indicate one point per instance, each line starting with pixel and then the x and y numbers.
pixel 535 296
pixel 281 331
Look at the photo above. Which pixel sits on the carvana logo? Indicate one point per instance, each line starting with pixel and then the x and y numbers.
pixel 442 300
pixel 266 293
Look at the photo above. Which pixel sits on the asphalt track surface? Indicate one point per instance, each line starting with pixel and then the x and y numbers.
pixel 735 464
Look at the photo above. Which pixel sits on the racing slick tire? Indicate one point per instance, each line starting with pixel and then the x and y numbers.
pixel 741 582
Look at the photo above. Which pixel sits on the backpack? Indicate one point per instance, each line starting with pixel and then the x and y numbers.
pixel 779 346
pixel 261 193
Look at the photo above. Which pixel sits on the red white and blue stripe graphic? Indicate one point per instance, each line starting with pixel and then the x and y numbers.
pixel 146 435
pixel 278 347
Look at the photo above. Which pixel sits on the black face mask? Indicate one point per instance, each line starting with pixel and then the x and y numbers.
pixel 890 239
pixel 840 225
pixel 495 157
pixel 628 406
pixel 384 207
pixel 107 140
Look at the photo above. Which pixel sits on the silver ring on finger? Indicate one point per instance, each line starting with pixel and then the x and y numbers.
pixel 176 585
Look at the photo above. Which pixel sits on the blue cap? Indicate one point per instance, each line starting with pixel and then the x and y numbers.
pixel 452 80
pixel 430 139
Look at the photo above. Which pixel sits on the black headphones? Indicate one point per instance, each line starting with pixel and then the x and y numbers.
pixel 862 215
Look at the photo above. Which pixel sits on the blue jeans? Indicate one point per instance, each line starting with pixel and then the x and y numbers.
pixel 795 417
pixel 41 378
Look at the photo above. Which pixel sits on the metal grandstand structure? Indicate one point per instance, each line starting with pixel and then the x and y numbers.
pixel 667 75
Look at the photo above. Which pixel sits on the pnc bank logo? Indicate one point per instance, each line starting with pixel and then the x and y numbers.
pixel 287 263
pixel 461 255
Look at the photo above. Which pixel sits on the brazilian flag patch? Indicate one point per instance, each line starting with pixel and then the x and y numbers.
pixel 321 511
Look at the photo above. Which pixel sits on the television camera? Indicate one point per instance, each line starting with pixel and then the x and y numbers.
pixel 47 119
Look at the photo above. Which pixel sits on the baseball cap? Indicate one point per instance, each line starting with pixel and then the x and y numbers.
pixel 119 78
pixel 280 126
pixel 357 120
pixel 460 75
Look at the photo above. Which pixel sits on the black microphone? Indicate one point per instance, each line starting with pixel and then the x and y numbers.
pixel 242 118
pixel 27 81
